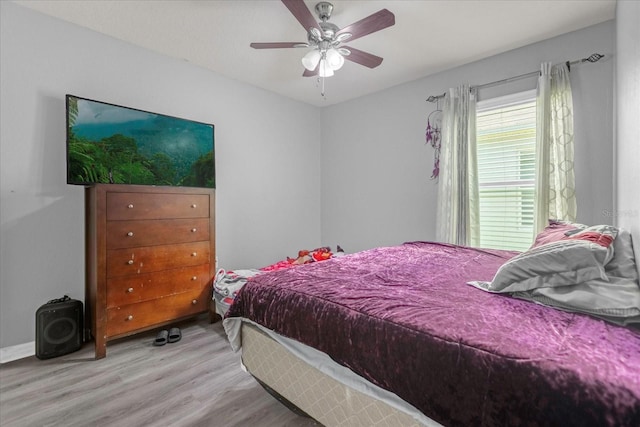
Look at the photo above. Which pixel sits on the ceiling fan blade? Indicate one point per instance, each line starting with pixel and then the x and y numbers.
pixel 308 73
pixel 302 13
pixel 278 45
pixel 363 58
pixel 372 23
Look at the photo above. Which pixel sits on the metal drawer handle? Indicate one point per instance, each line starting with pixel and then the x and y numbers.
pixel 130 317
pixel 130 206
pixel 130 262
pixel 194 254
pixel 193 230
pixel 129 290
pixel 194 278
pixel 193 205
pixel 130 234
pixel 194 302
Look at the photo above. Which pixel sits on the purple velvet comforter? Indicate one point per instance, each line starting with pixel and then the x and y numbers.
pixel 404 318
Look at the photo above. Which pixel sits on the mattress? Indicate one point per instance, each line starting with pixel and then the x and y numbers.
pixel 324 397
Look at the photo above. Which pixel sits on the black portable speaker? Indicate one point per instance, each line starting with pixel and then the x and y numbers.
pixel 59 327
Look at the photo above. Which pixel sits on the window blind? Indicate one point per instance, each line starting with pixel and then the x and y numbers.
pixel 506 147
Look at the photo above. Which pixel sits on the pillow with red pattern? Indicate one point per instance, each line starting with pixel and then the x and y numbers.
pixel 556 230
pixel 603 235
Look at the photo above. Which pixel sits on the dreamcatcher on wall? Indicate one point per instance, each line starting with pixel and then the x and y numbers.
pixel 434 137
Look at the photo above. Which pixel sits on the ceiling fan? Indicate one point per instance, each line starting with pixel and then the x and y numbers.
pixel 328 53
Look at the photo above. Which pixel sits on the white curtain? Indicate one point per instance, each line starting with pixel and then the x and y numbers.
pixel 458 214
pixel 555 196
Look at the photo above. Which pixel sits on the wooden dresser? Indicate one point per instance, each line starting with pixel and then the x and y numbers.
pixel 150 257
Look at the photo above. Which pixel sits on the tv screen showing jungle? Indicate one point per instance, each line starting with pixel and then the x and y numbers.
pixel 111 144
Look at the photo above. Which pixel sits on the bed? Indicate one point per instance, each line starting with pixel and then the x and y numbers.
pixel 407 335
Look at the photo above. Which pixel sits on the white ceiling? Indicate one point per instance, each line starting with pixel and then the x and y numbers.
pixel 429 35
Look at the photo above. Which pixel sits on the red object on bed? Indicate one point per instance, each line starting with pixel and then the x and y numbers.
pixel 404 318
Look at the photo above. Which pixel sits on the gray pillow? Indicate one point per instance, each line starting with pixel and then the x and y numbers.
pixel 571 261
pixel 623 262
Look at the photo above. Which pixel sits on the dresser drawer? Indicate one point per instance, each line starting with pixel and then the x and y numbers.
pixel 127 318
pixel 129 234
pixel 124 206
pixel 147 259
pixel 126 290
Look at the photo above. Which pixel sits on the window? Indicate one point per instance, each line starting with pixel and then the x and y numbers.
pixel 506 148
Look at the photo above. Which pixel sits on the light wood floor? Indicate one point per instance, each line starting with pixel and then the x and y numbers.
pixel 194 382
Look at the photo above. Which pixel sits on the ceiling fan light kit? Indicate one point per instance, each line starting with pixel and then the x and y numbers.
pixel 325 39
pixel 335 60
pixel 327 61
pixel 311 59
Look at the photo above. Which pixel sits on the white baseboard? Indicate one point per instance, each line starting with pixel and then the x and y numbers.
pixel 15 352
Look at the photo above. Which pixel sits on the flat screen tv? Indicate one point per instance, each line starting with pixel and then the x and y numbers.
pixel 111 144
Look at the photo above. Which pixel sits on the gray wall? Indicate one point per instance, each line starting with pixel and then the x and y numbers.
pixel 376 168
pixel 374 188
pixel 627 213
pixel 264 145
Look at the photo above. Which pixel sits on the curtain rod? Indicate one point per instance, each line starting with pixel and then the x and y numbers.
pixel 593 58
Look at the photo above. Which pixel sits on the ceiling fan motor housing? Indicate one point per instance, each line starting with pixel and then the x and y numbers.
pixel 329 29
pixel 324 9
pixel 328 33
